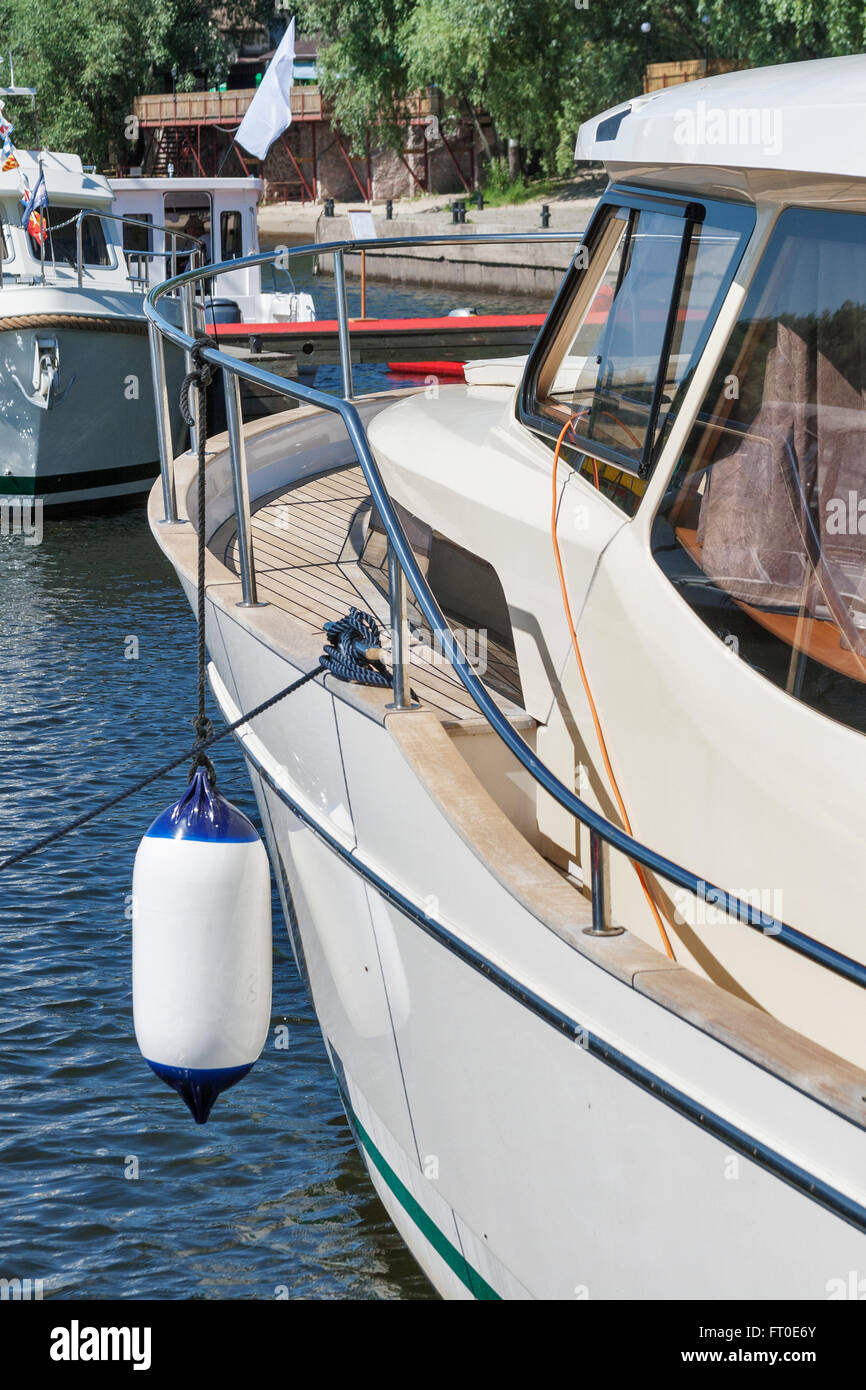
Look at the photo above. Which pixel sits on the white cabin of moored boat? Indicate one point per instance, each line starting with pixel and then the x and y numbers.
pixel 221 215
pixel 71 189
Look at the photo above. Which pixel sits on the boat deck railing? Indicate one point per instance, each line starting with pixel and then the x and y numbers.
pixel 141 281
pixel 169 256
pixel 404 568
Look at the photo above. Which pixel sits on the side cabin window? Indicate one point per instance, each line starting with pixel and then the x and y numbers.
pixel 626 332
pixel 138 244
pixel 7 249
pixel 763 527
pixel 56 237
pixel 230 236
pixel 137 234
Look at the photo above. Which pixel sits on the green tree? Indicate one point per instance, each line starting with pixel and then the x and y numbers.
pixel 539 70
pixel 362 65
pixel 88 58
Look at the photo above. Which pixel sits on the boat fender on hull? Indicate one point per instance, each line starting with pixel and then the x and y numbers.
pixel 201 945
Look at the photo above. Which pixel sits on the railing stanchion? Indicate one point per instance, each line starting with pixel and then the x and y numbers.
pixel 241 491
pixel 163 423
pixel 79 248
pixel 343 325
pixel 598 883
pixel 399 634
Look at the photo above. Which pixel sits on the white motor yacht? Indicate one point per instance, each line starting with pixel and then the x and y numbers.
pixel 577 892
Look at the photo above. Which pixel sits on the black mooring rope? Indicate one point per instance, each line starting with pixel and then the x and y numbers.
pixel 200 377
pixel 154 776
pixel 352 653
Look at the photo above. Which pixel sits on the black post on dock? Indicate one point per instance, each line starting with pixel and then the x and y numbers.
pixel 329 207
pixel 455 213
pixel 479 200
pixel 389 210
pixel 545 215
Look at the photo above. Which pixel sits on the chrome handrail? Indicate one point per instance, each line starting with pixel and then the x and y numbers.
pixel 198 245
pixel 600 829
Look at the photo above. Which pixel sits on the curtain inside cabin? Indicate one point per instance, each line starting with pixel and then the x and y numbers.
pixel 769 501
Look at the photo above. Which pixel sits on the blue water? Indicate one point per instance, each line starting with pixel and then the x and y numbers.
pixel 107 1188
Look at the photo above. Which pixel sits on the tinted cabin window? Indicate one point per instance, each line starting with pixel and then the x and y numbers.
pixel 190 214
pixel 138 238
pixel 230 235
pixel 60 239
pixel 763 529
pixel 138 244
pixel 639 317
pixel 5 239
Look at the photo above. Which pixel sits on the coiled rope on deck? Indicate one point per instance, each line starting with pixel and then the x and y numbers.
pixel 353 652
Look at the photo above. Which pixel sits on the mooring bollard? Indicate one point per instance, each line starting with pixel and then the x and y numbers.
pixel 545 215
pixel 455 213
pixel 479 200
pixel 329 207
pixel 389 210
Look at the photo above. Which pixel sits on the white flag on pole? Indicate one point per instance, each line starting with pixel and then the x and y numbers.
pixel 270 111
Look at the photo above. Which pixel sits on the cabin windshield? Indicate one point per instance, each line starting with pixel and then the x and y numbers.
pixel 763 529
pixel 632 333
pixel 55 226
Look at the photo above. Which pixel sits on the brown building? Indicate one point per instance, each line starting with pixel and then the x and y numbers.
pixel 192 133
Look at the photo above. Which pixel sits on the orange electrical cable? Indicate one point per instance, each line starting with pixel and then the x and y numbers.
pixel 569 424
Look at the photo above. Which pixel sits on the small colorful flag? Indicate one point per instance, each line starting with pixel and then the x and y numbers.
pixel 31 219
pixel 8 156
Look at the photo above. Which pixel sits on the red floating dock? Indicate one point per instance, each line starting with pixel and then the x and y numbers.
pixel 448 341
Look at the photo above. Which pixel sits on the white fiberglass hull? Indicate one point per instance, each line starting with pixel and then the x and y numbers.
pixel 535 1127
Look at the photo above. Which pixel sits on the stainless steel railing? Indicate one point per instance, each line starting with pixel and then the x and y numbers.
pixel 402 559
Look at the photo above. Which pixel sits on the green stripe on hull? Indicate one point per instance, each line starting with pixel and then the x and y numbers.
pixel 454 1258
pixel 51 483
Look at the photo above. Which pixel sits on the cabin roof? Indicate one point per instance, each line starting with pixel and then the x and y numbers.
pixel 797 117
pixel 250 186
pixel 65 179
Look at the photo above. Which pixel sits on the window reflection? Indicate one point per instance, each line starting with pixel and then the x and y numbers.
pixel 656 280
pixel 764 527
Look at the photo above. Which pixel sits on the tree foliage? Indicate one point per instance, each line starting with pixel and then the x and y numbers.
pixel 538 70
pixel 88 58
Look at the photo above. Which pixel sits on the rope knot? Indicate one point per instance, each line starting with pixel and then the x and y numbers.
pixel 200 378
pixel 203 734
pixel 353 652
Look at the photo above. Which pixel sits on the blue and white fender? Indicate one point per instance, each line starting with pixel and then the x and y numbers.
pixel 201 945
